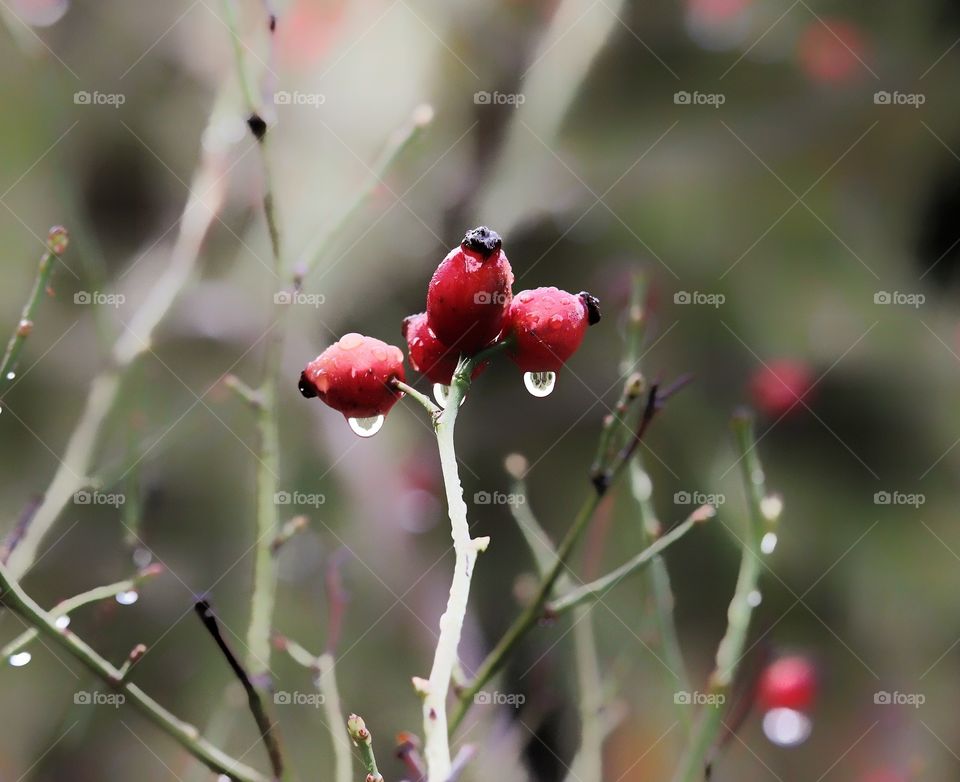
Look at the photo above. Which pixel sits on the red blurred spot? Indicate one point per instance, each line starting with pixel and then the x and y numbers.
pixel 788 683
pixel 777 387
pixel 307 31
pixel 832 51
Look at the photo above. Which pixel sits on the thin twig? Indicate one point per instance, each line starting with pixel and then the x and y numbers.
pixel 358 731
pixel 730 650
pixel 13 596
pixel 20 528
pixel 265 726
pixel 56 246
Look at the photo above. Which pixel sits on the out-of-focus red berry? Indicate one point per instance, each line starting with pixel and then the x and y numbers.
pixel 354 376
pixel 428 355
pixel 788 683
pixel 547 326
pixel 776 387
pixel 832 51
pixel 470 293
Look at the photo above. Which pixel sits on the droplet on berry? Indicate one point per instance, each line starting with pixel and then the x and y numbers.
pixel 540 384
pixel 366 427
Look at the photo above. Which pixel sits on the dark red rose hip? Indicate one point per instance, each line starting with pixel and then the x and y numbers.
pixel 470 293
pixel 354 376
pixel 428 355
pixel 788 683
pixel 547 326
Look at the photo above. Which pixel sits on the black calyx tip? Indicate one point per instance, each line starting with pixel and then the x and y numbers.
pixel 306 387
pixel 273 23
pixel 482 240
pixel 257 125
pixel 592 304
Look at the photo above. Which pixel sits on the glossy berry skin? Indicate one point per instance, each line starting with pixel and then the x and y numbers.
pixel 470 293
pixel 788 683
pixel 776 387
pixel 547 326
pixel 353 376
pixel 428 355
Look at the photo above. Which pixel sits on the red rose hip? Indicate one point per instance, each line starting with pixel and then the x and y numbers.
pixel 788 683
pixel 780 386
pixel 354 376
pixel 428 355
pixel 470 293
pixel 547 326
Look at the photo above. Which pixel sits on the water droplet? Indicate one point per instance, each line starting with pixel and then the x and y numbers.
pixel 142 557
pixel 540 383
pixel 768 543
pixel 62 622
pixel 787 727
pixel 441 393
pixel 11 375
pixel 754 598
pixel 20 659
pixel 366 427
pixel 350 341
pixel 128 598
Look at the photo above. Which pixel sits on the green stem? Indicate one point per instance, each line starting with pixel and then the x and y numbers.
pixel 56 245
pixel 14 598
pixel 423 399
pixel 731 647
pixel 466 548
pixel 361 737
pixel 596 589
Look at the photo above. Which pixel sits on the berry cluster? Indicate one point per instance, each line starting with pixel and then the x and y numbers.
pixel 470 308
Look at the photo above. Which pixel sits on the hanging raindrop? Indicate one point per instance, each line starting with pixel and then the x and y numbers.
pixel 754 598
pixel 768 543
pixel 128 598
pixel 62 622
pixel 11 375
pixel 441 393
pixel 20 659
pixel 540 384
pixel 366 427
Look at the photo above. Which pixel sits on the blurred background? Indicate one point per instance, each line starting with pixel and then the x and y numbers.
pixel 784 175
